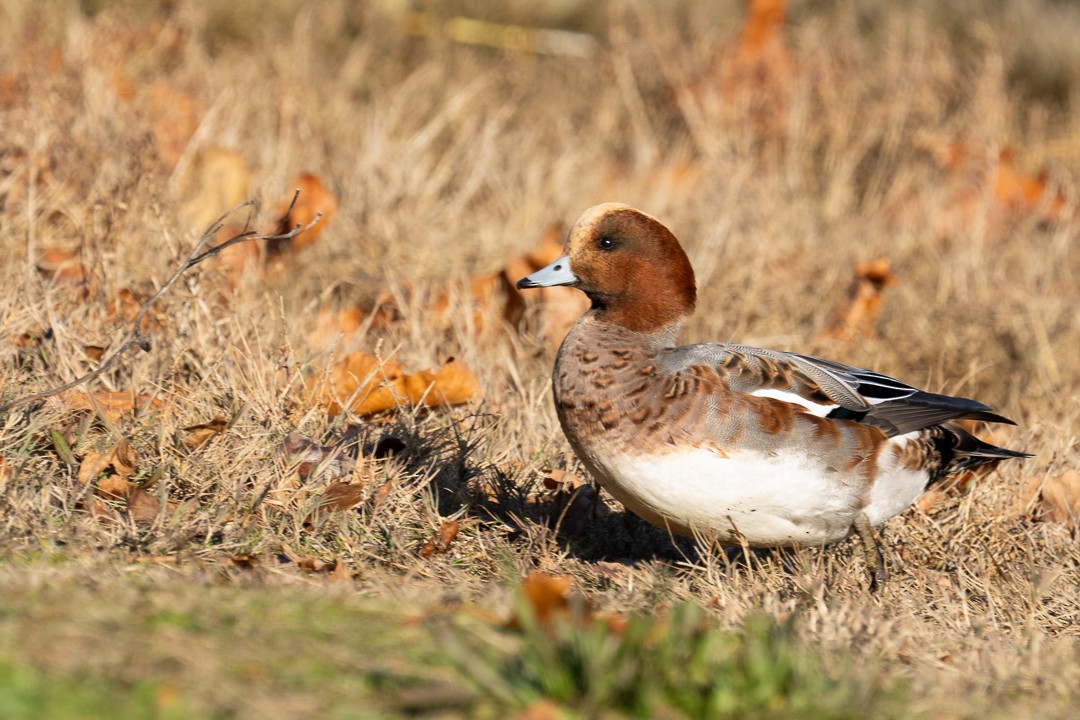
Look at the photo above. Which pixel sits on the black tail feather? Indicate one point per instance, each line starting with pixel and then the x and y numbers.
pixel 960 450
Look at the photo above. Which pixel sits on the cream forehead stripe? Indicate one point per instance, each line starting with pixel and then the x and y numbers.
pixel 596 213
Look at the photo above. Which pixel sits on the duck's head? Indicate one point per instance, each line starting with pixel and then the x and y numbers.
pixel 631 267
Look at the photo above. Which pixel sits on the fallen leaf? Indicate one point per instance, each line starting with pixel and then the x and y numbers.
pixel 63 266
pixel 930 501
pixel 314 198
pixel 550 596
pixel 857 316
pixel 369 385
pixel 199 435
pixel 1054 499
pixel 340 572
pixel 440 542
pixel 215 181
pixel 108 471
pixel 5 472
pixel 991 190
pixel 142 506
pixel 244 561
pixel 312 565
pixel 341 496
pixel 125 306
pixel 452 384
pixel 541 710
pixel 174 119
pixel 112 405
pixel 754 78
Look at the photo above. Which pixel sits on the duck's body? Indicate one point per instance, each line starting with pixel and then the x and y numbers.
pixel 742 444
pixel 688 444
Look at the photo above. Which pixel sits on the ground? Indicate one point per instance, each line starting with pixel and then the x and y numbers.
pixel 892 187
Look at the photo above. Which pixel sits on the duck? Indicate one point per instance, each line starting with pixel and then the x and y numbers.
pixel 743 445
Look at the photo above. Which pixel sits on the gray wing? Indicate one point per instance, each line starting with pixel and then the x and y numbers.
pixel 828 388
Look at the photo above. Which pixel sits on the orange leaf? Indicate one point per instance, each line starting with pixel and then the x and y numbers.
pixel 121 459
pixel 62 265
pixel 111 405
pixel 367 384
pixel 215 181
pixel 244 561
pixel 381 495
pixel 549 596
pixel 452 384
pixel 174 120
pixel 314 198
pixel 311 565
pixel 440 542
pixel 341 496
pixel 1055 499
pixel 375 386
pixel 125 307
pixel 142 506
pixel 200 435
pixel 857 316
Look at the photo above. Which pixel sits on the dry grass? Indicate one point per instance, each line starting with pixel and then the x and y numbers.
pixel 447 158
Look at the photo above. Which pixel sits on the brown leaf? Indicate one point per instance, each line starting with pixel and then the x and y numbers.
pixel 174 119
pixel 333 325
pixel 1055 499
pixel 312 566
pixel 340 572
pixel 314 198
pixel 142 506
pixel 440 542
pixel 341 496
pixel 244 561
pixel 111 405
pixel 64 266
pixel 755 75
pixel 215 181
pixel 199 435
pixel 125 306
pixel 930 501
pixel 374 385
pixel 5 472
pixel 857 316
pixel 452 384
pixel 552 596
pixel 541 710
pixel 109 470
pixel 367 384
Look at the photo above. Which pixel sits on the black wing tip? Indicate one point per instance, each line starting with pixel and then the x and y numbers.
pixel 986 416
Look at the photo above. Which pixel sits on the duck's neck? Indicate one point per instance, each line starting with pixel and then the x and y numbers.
pixel 655 338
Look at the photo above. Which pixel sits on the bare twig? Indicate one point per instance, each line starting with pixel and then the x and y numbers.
pixel 136 337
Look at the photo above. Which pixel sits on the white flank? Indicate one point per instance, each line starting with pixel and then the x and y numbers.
pixel 763 499
pixel 794 399
pixel 895 487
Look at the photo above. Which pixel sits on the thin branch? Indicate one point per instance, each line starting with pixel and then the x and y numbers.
pixel 136 337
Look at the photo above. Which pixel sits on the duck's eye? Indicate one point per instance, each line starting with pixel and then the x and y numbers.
pixel 605 243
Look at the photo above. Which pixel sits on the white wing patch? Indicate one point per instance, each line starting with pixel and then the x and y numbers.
pixel 796 399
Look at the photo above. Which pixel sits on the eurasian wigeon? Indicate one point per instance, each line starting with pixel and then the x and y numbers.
pixel 745 445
